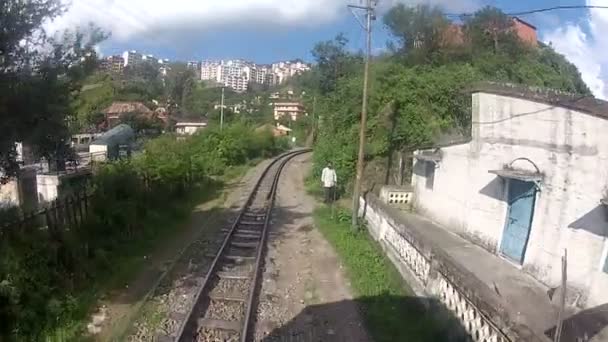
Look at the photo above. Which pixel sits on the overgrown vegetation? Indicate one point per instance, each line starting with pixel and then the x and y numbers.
pixel 179 92
pixel 48 279
pixel 39 77
pixel 418 89
pixel 389 308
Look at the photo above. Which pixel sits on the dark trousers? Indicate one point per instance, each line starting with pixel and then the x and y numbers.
pixel 329 194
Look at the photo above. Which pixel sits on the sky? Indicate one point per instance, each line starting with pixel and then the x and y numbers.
pixel 266 31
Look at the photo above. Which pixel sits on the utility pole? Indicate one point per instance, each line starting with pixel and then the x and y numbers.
pixel 314 122
pixel 222 111
pixel 369 17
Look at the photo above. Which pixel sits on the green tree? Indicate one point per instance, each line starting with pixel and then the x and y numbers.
pixel 420 31
pixel 333 62
pixel 39 79
pixel 418 93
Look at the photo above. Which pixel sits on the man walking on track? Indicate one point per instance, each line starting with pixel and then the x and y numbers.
pixel 329 180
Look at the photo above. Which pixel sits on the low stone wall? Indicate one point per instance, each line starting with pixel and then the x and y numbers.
pixel 431 272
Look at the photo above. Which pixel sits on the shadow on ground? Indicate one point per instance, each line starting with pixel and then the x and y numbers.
pixel 586 325
pixel 387 318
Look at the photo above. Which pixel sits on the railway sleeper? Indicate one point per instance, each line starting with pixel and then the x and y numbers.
pixel 230 297
pixel 233 275
pixel 238 258
pixel 251 223
pixel 241 235
pixel 245 244
pixel 219 324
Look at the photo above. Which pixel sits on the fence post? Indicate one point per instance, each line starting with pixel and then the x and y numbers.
pixel 86 204
pixel 79 200
pixel 67 214
pixel 49 221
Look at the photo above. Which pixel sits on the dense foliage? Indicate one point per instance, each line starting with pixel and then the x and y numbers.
pixel 39 77
pixel 418 90
pixel 44 278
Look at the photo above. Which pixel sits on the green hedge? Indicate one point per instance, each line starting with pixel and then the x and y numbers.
pixel 47 282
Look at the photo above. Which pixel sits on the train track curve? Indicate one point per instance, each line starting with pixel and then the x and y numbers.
pixel 225 302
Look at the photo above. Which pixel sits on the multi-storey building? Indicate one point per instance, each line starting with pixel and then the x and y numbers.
pixel 288 69
pixel 290 109
pixel 196 67
pixel 234 68
pixel 150 59
pixel 113 64
pixel 237 83
pixel 132 58
pixel 260 73
pixel 209 71
pixel 238 72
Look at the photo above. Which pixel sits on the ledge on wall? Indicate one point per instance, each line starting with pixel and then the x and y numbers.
pixel 430 156
pixel 522 175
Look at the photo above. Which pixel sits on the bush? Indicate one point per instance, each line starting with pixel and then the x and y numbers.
pixel 44 279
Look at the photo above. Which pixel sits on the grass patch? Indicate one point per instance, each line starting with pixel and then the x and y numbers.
pixel 389 307
pixel 124 264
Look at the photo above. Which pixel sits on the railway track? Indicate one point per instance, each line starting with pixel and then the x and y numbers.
pixel 225 301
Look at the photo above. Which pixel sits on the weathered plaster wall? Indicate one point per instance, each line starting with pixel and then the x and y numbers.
pixel 569 147
pixel 431 272
pixel 9 194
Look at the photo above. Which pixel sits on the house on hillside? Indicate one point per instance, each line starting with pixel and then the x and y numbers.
pixel 118 109
pixel 531 183
pixel 454 35
pixel 291 110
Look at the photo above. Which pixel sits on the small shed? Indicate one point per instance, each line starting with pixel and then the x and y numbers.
pixel 113 144
pixel 190 125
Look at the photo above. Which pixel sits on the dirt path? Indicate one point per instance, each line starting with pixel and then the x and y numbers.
pixel 304 295
pixel 120 308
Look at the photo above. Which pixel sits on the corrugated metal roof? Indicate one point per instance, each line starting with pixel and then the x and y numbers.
pixel 121 134
pixel 127 107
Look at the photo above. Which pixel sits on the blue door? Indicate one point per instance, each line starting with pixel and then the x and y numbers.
pixel 519 219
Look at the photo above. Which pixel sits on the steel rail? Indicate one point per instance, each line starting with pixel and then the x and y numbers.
pixel 189 325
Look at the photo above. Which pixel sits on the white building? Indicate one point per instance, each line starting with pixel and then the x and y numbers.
pixel 189 126
pixel 227 71
pixel 285 70
pixel 132 58
pixel 237 83
pixel 209 71
pixel 150 59
pixel 291 109
pixel 530 184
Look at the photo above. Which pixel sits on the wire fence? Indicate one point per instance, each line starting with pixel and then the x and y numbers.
pixel 61 214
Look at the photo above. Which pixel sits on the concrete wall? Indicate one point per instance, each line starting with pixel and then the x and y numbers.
pixel 48 187
pixel 570 148
pixel 9 194
pixel 435 277
pixel 98 152
pixel 190 130
pixel 20 191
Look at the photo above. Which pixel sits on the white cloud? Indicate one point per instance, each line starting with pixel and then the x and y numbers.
pixel 586 45
pixel 150 19
pixel 126 19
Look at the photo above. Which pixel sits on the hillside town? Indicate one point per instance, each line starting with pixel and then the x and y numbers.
pixel 445 187
pixel 236 74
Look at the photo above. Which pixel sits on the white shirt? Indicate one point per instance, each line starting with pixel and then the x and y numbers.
pixel 328 177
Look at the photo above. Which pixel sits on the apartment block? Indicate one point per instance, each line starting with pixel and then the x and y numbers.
pixel 132 58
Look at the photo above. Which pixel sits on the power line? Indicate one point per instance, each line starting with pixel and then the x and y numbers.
pixel 370 16
pixel 538 10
